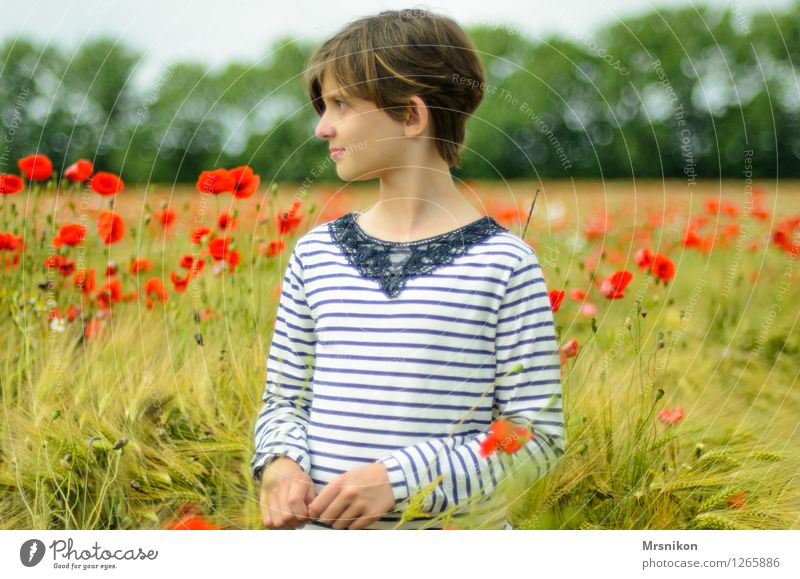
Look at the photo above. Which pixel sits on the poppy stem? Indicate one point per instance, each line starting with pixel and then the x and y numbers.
pixel 533 203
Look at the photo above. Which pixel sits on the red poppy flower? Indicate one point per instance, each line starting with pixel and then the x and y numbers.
pixel 189 519
pixel 596 228
pixel 780 237
pixel 215 182
pixel 36 167
pixel 10 184
pixel 759 212
pixel 663 268
pixel 577 294
pixel 94 328
pixel 70 234
pixel 197 266
pixel 110 226
pixel 226 221
pixel 643 258
pixel 187 261
pixel 84 280
pixel 671 417
pixel 178 283
pixel 731 231
pixel 233 259
pixel 737 501
pixel 10 242
pixel 72 313
pixel 110 292
pixel 140 265
pixel 712 206
pixel 79 171
pixel 730 208
pixel 219 248
pixel 167 217
pixel 568 350
pixel 64 265
pixel 154 288
pixel 556 297
pixel 106 183
pixel 273 247
pixel 289 220
pixel 111 268
pixel 245 182
pixel 198 233
pixel 614 286
pixel 505 436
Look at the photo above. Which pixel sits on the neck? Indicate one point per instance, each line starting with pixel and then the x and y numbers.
pixel 419 199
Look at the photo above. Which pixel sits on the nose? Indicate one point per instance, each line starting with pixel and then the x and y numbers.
pixel 324 129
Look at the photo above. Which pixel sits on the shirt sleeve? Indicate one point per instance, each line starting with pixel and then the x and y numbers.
pixel 525 340
pixel 281 426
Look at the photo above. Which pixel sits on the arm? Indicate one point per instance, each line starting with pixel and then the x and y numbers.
pixel 280 428
pixel 524 336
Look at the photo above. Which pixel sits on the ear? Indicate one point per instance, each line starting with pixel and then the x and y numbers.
pixel 417 117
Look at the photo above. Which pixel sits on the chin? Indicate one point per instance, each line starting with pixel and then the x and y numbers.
pixel 346 175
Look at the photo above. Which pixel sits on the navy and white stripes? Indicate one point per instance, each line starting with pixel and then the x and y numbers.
pixel 354 376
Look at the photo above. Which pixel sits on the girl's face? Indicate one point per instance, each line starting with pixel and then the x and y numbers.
pixel 370 143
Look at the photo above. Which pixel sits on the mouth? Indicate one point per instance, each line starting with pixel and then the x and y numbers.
pixel 336 152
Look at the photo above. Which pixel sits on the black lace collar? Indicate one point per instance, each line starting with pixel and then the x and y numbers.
pixel 391 263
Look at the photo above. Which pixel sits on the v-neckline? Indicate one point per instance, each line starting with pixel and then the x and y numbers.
pixel 355 215
pixel 392 263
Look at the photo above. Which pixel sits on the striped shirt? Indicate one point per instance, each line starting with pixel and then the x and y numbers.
pixel 414 381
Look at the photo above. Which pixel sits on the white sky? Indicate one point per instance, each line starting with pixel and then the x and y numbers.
pixel 215 31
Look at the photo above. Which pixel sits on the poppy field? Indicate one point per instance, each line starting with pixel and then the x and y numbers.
pixel 136 320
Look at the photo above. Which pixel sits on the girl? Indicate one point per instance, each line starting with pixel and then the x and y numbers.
pixel 403 332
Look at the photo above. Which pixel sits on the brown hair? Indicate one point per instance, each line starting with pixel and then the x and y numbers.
pixel 391 56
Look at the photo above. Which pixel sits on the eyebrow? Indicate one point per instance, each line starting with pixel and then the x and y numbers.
pixel 334 94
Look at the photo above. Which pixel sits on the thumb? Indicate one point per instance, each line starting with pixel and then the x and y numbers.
pixel 310 493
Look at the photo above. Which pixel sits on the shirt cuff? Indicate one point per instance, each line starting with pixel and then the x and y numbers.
pixel 262 459
pixel 397 478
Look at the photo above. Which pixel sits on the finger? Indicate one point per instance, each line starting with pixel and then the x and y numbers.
pixel 266 520
pixel 349 516
pixel 335 509
pixel 296 502
pixel 363 522
pixel 288 520
pixel 310 494
pixel 323 500
pixel 275 511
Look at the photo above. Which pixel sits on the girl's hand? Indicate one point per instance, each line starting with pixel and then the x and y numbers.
pixel 286 491
pixel 354 499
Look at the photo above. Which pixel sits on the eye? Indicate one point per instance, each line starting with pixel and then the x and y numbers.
pixel 337 102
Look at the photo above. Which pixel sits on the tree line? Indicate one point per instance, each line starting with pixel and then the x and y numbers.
pixel 688 92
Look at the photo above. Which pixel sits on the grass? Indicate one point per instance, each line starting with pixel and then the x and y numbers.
pixel 118 431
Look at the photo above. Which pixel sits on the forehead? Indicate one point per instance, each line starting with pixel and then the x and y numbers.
pixel 330 87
